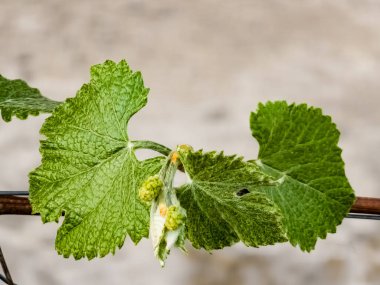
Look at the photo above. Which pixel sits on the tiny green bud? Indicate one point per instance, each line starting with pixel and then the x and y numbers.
pixel 150 188
pixel 184 148
pixel 174 218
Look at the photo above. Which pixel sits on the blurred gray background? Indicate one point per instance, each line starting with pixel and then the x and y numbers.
pixel 208 64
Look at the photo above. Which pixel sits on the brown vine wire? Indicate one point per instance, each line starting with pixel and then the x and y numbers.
pixel 363 208
pixel 15 205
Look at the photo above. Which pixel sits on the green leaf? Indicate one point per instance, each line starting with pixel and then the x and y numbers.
pixel 19 99
pixel 89 170
pixel 298 145
pixel 223 205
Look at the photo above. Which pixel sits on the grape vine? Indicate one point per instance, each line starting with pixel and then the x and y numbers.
pixel 296 189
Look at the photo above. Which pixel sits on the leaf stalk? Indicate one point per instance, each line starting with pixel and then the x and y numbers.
pixel 151 145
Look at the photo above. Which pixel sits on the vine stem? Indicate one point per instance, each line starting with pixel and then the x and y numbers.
pixel 15 205
pixel 151 145
pixel 156 147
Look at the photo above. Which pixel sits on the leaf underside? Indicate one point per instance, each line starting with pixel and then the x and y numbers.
pixel 298 146
pixel 89 170
pixel 18 99
pixel 222 204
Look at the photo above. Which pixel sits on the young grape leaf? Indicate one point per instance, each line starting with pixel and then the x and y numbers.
pixel 223 205
pixel 298 146
pixel 19 99
pixel 89 170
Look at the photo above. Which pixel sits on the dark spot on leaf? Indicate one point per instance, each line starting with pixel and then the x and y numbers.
pixel 242 192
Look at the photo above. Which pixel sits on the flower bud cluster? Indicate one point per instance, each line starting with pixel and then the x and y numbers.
pixel 150 188
pixel 174 218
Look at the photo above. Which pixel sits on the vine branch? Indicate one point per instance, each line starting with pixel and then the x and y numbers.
pixel 15 205
pixel 7 279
